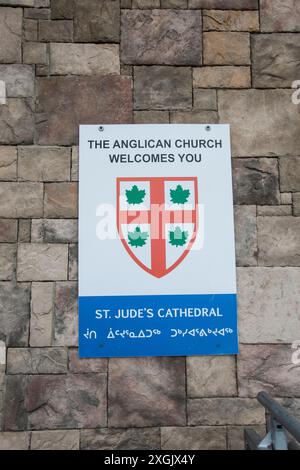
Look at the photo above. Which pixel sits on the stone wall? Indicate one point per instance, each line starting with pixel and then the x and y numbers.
pixel 66 62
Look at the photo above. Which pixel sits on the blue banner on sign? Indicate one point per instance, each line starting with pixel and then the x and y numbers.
pixel 164 325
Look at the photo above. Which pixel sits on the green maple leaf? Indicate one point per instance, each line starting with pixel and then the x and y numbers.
pixel 179 195
pixel 135 195
pixel 137 238
pixel 178 237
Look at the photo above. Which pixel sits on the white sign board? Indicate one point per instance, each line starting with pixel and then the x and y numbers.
pixel 156 241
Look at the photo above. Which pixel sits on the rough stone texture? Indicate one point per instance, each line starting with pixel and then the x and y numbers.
pixel 14 416
pixel 44 163
pixel 155 388
pixel 7 261
pixel 235 436
pixel 274 210
pixel 106 99
pixel 174 4
pixel 54 230
pixel 193 438
pixel 194 117
pixel 8 163
pixel 153 87
pixel 278 15
pixel 84 59
pixel 16 122
pixel 169 37
pixel 267 367
pixel 220 20
pixel 226 48
pixel 83 366
pixel 263 294
pixel 205 99
pixel 220 411
pixel 30 30
pixel 61 200
pixel 275 60
pixel 65 314
pixel 21 3
pixel 245 235
pixel 289 174
pixel 96 20
pixel 151 117
pixel 42 302
pixel 8 230
pixel 34 53
pixel 66 401
pixel 222 77
pixel 278 241
pixel 255 181
pixel 14 313
pixel 211 376
pixel 37 361
pixel 62 9
pixel 37 13
pixel 73 262
pixel 19 80
pixel 286 198
pixel 24 233
pixel 56 31
pixel 10 35
pixel 33 257
pixel 145 4
pixel 296 204
pixel 14 440
pixel 54 440
pixel 120 439
pixel 224 4
pixel 21 200
pixel 256 118
pixel 75 164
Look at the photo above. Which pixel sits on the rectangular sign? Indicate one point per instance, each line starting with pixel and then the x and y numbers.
pixel 156 241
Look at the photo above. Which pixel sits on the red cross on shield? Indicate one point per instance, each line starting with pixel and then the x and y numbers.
pixel 157 220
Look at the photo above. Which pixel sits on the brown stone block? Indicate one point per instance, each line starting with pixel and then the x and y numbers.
pixel 65 314
pixel 155 391
pixel 174 36
pixel 66 401
pixel 220 411
pixel 224 4
pixel 222 77
pixel 14 313
pixel 278 15
pixel 275 60
pixel 79 365
pixel 97 20
pixel 10 35
pixel 61 200
pixel 221 20
pixel 255 181
pixel 154 87
pixel 16 122
pixel 56 31
pixel 259 120
pixel 194 438
pixel 8 163
pixel 80 100
pixel 120 439
pixel 278 241
pixel 226 48
pixel 267 367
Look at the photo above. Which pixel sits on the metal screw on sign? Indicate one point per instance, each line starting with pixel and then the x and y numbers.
pixel 208 128
pixel 100 128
